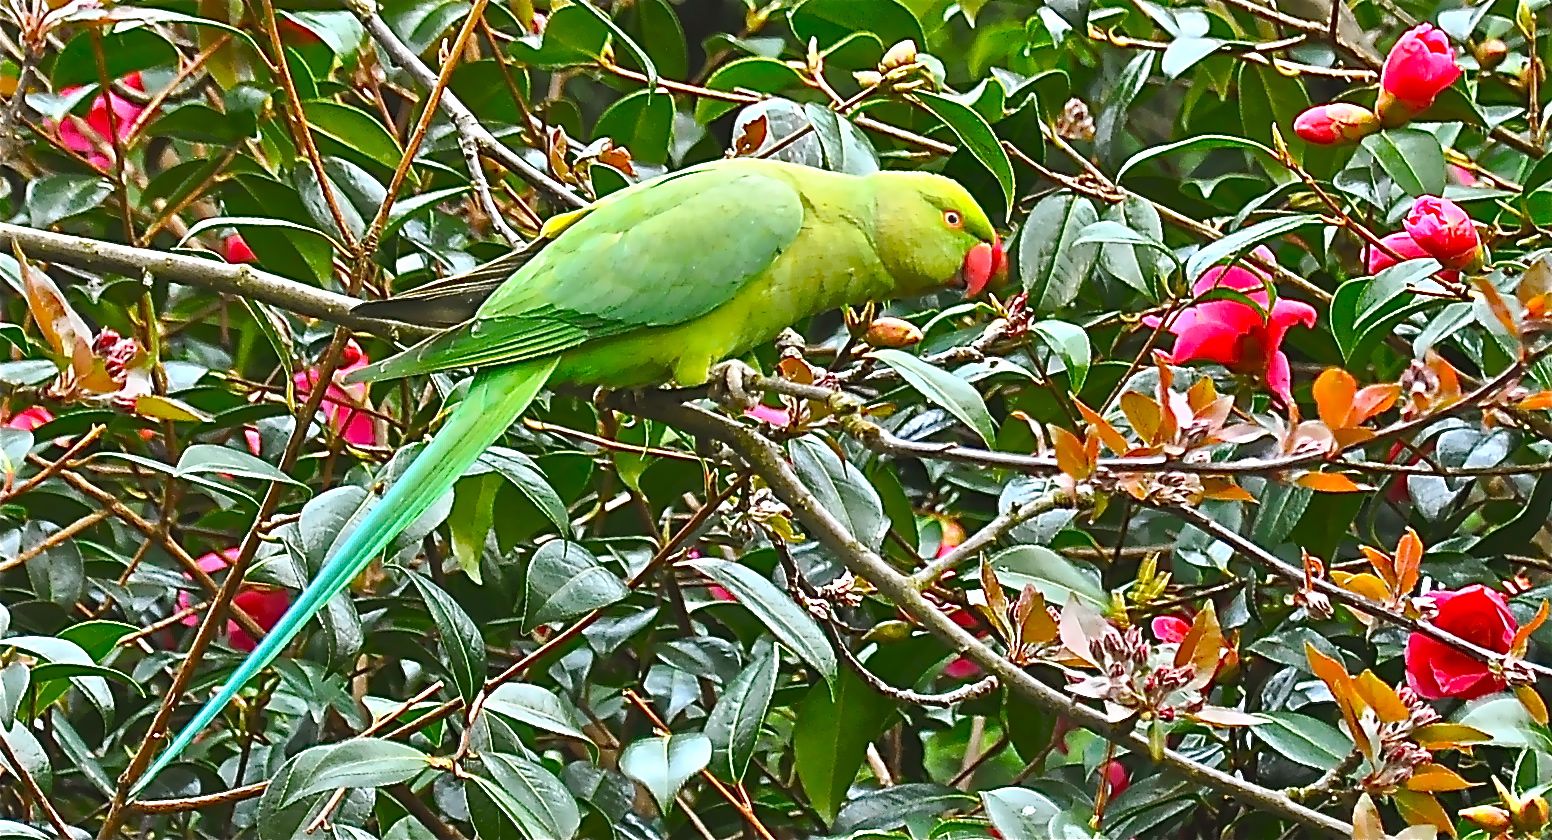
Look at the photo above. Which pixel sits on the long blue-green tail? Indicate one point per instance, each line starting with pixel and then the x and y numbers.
pixel 496 398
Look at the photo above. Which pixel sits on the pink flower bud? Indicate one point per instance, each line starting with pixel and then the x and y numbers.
pixel 1443 230
pixel 1419 67
pixel 236 250
pixel 1336 122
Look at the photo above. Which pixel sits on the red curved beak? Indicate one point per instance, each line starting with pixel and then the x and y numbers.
pixel 985 262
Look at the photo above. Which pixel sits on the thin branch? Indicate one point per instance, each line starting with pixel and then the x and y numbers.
pixel 241 281
pixel 464 121
pixel 1265 559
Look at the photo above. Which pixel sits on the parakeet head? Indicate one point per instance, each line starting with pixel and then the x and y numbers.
pixel 933 234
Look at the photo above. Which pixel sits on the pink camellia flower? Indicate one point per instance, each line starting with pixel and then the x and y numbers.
pixel 96 145
pixel 1245 339
pixel 343 404
pixel 28 418
pixel 235 250
pixel 1336 122
pixel 1477 614
pixel 1444 231
pixel 1419 67
pixel 1170 628
pixel 1461 175
pixel 768 414
pixel 264 604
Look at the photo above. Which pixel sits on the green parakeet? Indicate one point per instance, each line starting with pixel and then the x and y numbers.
pixel 658 282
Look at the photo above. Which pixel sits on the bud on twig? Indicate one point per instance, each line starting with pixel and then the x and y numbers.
pixel 892 332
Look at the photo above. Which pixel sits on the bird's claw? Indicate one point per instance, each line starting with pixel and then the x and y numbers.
pixel 728 386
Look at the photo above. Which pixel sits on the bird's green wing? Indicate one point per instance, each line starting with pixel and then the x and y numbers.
pixel 661 253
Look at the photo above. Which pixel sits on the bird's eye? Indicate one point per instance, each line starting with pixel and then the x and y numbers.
pixel 953 219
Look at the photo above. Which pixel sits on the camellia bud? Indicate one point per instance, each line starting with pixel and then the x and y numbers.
pixel 1336 122
pixel 1419 67
pixel 1531 815
pixel 868 78
pixel 1489 818
pixel 898 56
pixel 1490 53
pixel 892 332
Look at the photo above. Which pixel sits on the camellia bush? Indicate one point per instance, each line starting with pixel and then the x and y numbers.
pixel 1226 516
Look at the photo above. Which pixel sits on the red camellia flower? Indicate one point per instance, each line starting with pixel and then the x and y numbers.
pixel 1116 775
pixel 1477 614
pixel 236 250
pixel 94 146
pixel 342 403
pixel 1419 67
pixel 264 604
pixel 1336 122
pixel 1245 339
pixel 28 418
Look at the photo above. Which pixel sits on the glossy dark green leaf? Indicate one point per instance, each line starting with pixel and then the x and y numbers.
pixel 1052 267
pixel 734 723
pixel 564 580
pixel 976 135
pixel 461 640
pixel 789 623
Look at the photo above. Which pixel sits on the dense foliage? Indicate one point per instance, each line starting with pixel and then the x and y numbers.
pixel 1227 517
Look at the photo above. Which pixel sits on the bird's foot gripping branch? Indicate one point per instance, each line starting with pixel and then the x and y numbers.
pixel 848 419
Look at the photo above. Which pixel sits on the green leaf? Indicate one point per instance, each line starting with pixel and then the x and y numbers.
pixel 1411 157
pixel 1140 260
pixel 1242 241
pixel 842 145
pixel 832 741
pixel 1054 575
pixel 526 476
pixel 535 706
pixel 831 21
pixel 352 133
pixel 530 796
pixel 54 198
pixel 899 805
pixel 663 764
pixel 63 652
pixel 14 446
pixel 635 50
pixel 1070 343
pixel 976 135
pixel 473 514
pixel 461 640
pixel 841 488
pixel 357 763
pixel 1279 511
pixel 1019 812
pixel 565 580
pixel 1052 265
pixel 764 75
pixel 734 723
pixel 642 122
pixel 1194 144
pixel 1303 739
pixel 789 623
pixel 945 389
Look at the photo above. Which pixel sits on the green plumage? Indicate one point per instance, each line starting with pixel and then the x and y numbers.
pixel 657 282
